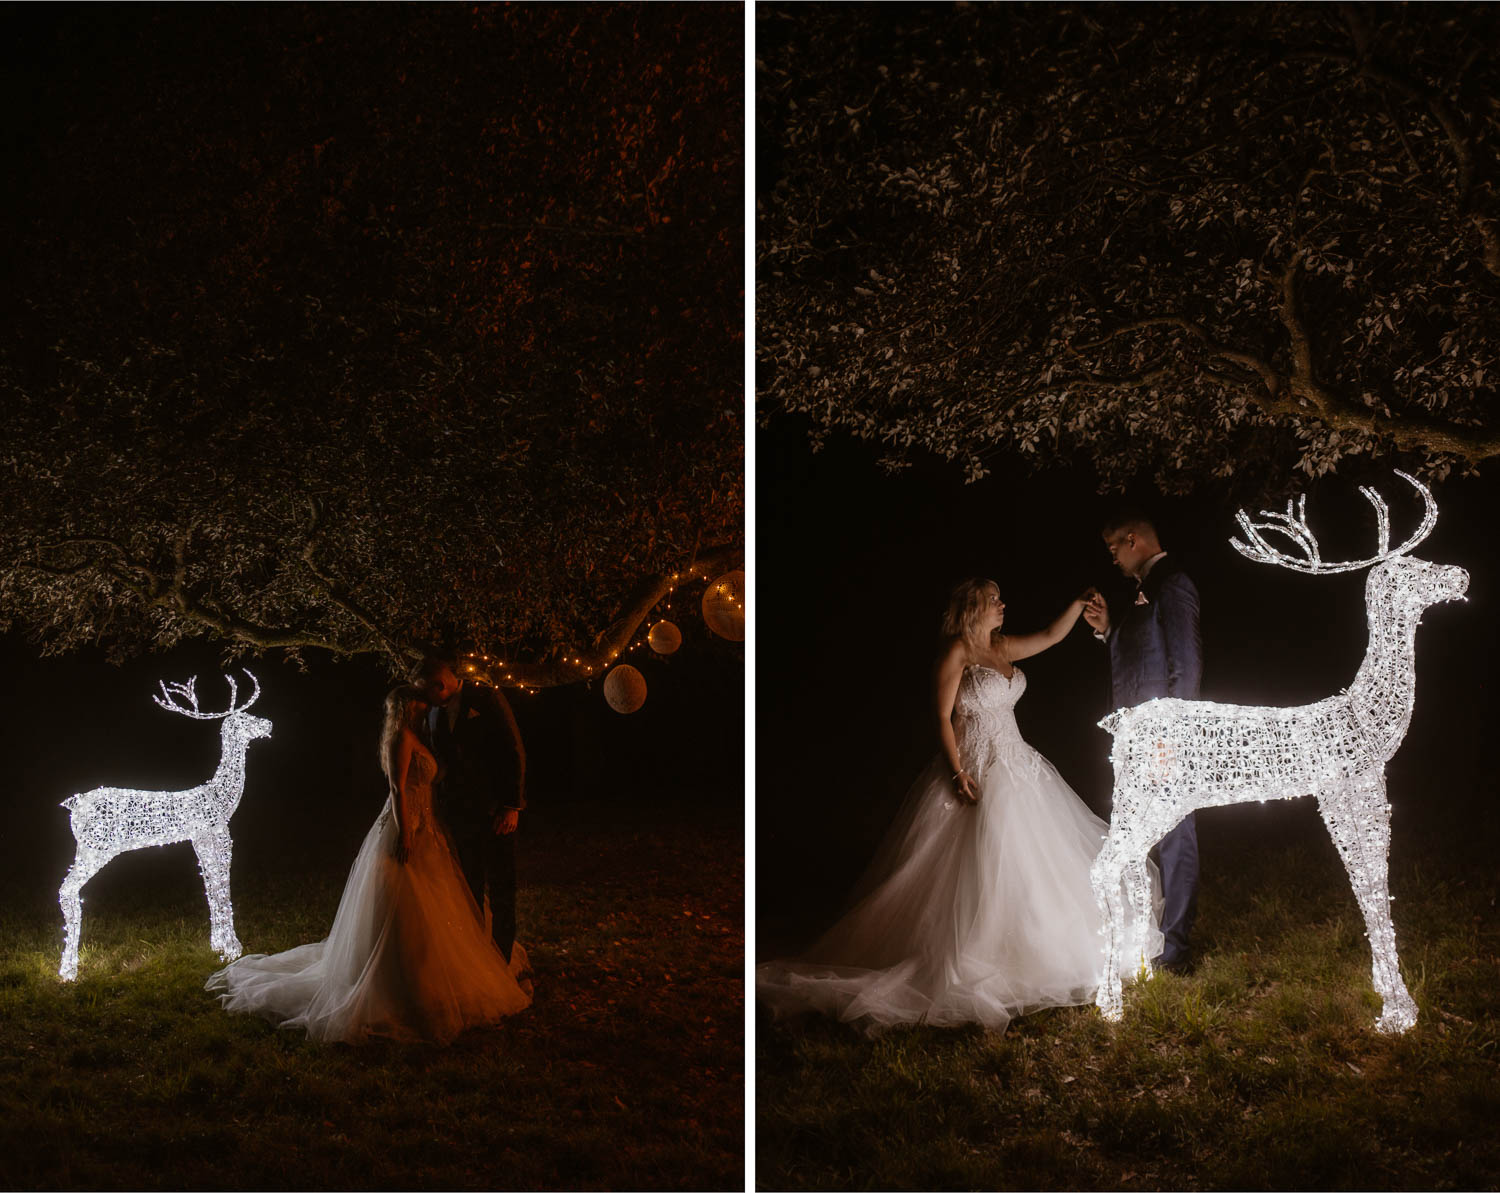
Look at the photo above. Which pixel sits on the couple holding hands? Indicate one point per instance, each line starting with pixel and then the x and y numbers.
pixel 978 907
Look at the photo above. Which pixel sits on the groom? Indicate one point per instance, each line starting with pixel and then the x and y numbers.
pixel 474 735
pixel 1155 649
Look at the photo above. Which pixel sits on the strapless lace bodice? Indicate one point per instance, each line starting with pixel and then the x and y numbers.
pixel 985 716
pixel 421 770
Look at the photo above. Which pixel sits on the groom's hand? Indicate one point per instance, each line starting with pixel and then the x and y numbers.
pixel 507 822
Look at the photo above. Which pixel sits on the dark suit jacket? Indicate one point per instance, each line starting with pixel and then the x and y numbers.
pixel 1155 649
pixel 482 752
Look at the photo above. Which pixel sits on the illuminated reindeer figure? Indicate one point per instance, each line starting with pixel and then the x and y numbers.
pixel 1172 757
pixel 109 821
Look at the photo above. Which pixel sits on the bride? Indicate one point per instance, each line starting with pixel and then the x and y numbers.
pixel 978 906
pixel 408 955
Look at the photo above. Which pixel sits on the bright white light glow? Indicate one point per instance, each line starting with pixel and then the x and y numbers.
pixel 109 821
pixel 1172 756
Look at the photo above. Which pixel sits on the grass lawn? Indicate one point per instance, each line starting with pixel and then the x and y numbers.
pixel 627 1072
pixel 1258 1071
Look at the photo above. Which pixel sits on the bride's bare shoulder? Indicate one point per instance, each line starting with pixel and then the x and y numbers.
pixel 953 652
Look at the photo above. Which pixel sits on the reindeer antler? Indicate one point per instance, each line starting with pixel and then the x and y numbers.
pixel 1294 526
pixel 170 693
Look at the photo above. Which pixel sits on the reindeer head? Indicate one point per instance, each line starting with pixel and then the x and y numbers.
pixel 1397 581
pixel 237 722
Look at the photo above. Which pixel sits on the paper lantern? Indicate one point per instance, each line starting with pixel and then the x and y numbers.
pixel 664 637
pixel 724 606
pixel 625 688
pixel 1172 757
pixel 109 821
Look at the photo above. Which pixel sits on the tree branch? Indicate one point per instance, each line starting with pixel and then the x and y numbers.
pixel 345 602
pixel 1447 119
pixel 1301 395
pixel 157 591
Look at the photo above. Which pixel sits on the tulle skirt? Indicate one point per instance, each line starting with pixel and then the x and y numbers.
pixel 408 956
pixel 968 914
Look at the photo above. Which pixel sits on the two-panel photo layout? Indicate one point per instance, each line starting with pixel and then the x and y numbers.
pixel 714 596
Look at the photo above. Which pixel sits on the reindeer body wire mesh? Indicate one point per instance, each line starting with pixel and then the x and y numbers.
pixel 1174 756
pixel 109 821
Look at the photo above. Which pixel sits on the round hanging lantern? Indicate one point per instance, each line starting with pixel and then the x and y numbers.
pixel 724 606
pixel 664 637
pixel 625 688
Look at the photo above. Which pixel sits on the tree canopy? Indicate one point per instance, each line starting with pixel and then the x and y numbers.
pixel 369 327
pixel 1159 238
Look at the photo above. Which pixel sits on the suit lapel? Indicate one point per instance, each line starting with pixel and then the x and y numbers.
pixel 1156 577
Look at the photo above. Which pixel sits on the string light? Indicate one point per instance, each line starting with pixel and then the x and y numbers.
pixel 109 821
pixel 723 610
pixel 1172 756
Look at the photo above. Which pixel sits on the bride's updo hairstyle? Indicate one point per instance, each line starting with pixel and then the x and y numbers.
pixel 965 607
pixel 398 702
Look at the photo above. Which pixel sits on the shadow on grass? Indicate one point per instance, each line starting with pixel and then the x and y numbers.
pixel 1261 1070
pixel 627 1071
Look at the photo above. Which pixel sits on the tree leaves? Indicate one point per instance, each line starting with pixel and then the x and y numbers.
pixel 423 320
pixel 1234 242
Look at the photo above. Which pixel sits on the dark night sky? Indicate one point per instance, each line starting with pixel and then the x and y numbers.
pixel 855 566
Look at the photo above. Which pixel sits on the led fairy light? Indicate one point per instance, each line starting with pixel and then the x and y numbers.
pixel 1172 756
pixel 109 821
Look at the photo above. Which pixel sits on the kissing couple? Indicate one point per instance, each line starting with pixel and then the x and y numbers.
pixel 978 906
pixel 410 955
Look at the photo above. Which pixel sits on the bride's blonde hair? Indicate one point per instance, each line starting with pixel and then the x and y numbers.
pixel 398 702
pixel 965 606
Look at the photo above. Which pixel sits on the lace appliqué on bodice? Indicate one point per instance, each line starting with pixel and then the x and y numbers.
pixel 421 771
pixel 985 720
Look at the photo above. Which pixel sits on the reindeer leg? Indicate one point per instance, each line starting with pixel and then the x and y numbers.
pixel 70 896
pixel 1138 889
pixel 1105 876
pixel 214 854
pixel 1359 821
pixel 1399 1009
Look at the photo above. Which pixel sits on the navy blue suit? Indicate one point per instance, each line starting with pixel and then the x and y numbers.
pixel 479 744
pixel 1155 649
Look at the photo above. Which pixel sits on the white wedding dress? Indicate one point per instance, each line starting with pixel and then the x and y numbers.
pixel 969 913
pixel 408 955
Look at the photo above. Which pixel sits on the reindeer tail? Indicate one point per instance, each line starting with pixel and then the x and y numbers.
pixel 68 803
pixel 1111 722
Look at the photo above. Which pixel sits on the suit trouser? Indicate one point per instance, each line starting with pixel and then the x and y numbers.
pixel 484 855
pixel 1177 856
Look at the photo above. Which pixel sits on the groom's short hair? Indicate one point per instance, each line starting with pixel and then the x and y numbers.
pixel 430 665
pixel 1127 517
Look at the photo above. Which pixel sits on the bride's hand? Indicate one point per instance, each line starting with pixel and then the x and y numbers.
pixel 1096 613
pixel 967 789
pixel 399 851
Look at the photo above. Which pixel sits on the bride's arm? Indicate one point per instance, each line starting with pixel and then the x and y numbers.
pixel 397 765
pixel 950 670
pixel 1023 646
